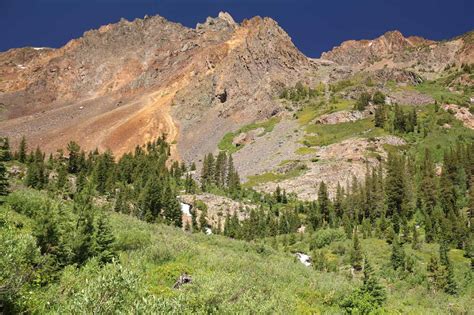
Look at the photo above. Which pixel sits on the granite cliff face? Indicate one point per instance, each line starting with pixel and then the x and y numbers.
pixel 126 83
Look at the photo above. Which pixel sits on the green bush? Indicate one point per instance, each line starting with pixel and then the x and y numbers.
pixel 19 257
pixel 111 289
pixel 360 302
pixel 132 239
pixel 26 202
pixel 325 237
pixel 378 98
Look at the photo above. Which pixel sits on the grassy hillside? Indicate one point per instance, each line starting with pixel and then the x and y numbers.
pixel 229 276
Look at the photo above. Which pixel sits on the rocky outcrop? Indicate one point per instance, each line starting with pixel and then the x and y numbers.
pixel 410 97
pixel 218 208
pixel 336 163
pixel 247 137
pixel 461 113
pixel 341 117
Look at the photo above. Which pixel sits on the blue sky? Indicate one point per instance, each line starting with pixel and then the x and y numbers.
pixel 315 26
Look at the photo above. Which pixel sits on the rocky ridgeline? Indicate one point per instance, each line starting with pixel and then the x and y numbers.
pixel 393 50
pixel 212 78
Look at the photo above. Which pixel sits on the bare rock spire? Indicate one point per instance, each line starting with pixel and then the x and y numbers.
pixel 226 17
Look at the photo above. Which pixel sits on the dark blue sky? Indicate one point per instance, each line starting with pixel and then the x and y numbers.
pixel 315 26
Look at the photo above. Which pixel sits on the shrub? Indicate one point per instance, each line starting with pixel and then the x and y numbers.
pixel 18 257
pixel 132 240
pixel 27 202
pixel 378 98
pixel 363 101
pixel 110 289
pixel 360 302
pixel 325 237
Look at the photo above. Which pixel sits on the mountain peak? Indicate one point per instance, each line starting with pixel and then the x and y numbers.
pixel 393 33
pixel 226 17
pixel 223 21
pixel 391 45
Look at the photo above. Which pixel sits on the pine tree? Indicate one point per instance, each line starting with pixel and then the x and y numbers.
pixel 395 185
pixel 451 286
pixel 399 122
pixel 412 120
pixel 338 201
pixel 85 247
pixel 315 216
pixel 47 230
pixel 347 224
pixel 366 228
pixel 22 150
pixel 172 209
pixel 74 157
pixel 203 220
pixel 5 154
pixel 405 237
pixel 151 201
pixel 447 192
pixel 428 189
pixel 436 274
pixel 38 155
pixel 379 118
pixel 208 171
pixel 356 253
pixel 470 206
pixel 368 298
pixel 194 224
pixel 4 185
pixel 415 242
pixel 62 178
pixel 233 179
pixel 51 235
pixel 443 253
pixel 104 241
pixel 398 255
pixel 35 175
pixel 119 205
pixel 220 169
pixel 189 184
pixel 429 230
pixel 81 181
pixel 323 201
pixel 390 234
pixel 103 172
pixel 277 194
pixel 371 285
pixel 362 101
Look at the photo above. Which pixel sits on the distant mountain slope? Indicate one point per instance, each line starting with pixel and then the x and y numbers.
pixel 126 83
pixel 393 50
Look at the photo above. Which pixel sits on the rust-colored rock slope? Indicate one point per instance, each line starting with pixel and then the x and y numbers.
pixel 126 83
